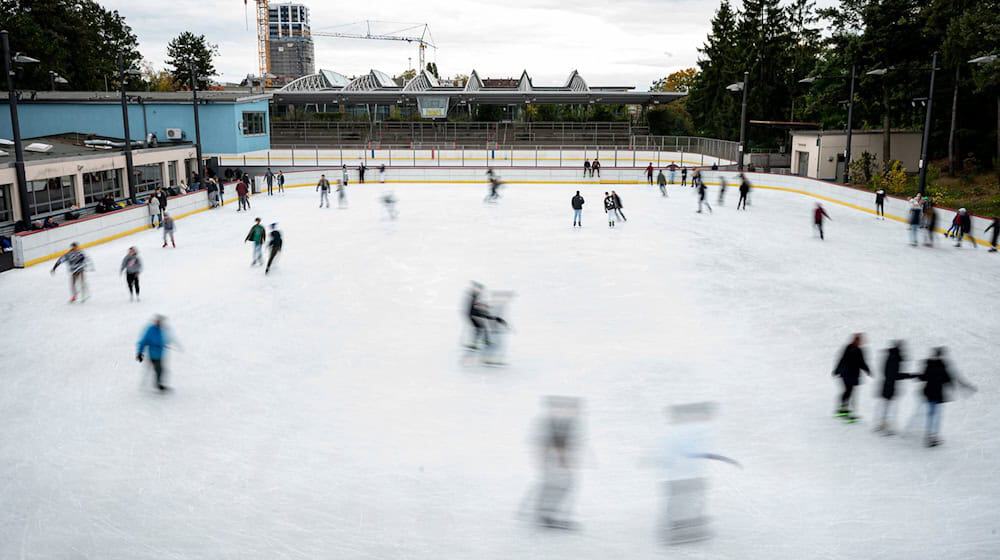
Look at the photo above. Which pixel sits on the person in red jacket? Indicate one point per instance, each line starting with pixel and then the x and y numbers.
pixel 649 173
pixel 819 214
pixel 241 191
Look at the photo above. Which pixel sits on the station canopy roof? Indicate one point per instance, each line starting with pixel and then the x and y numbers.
pixel 377 87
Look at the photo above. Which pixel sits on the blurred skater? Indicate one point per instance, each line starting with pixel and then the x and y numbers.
pixel 722 189
pixel 323 187
pixel 342 194
pixel 256 236
pixel 744 192
pixel 389 202
pixel 995 226
pixel 684 177
pixel 168 230
pixel 965 228
pixel 849 368
pixel 78 264
pixel 494 193
pixel 131 267
pixel 937 379
pixel 916 210
pixel 381 173
pixel 609 209
pixel 661 180
pixel 558 435
pixel 702 192
pixel 890 375
pixel 618 206
pixel 930 222
pixel 954 227
pixel 154 341
pixel 577 203
pixel 274 245
pixel 819 214
pixel 880 204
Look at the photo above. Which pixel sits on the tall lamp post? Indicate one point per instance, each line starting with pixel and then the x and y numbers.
pixel 55 78
pixel 745 88
pixel 197 125
pixel 922 181
pixel 850 116
pixel 22 181
pixel 991 59
pixel 129 166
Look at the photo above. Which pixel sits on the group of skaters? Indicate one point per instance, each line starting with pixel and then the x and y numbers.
pixel 257 236
pixel 923 215
pixel 936 376
pixel 160 218
pixel 323 188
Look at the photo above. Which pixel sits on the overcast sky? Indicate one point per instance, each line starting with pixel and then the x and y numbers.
pixel 618 42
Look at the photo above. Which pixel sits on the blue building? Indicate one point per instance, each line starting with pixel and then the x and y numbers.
pixel 231 122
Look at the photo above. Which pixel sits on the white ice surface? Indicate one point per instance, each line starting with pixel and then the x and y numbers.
pixel 323 412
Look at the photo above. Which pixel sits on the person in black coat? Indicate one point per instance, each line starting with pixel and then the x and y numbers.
pixel 995 226
pixel 744 192
pixel 577 203
pixel 930 221
pixel 890 375
pixel 937 379
pixel 618 204
pixel 849 368
pixel 965 227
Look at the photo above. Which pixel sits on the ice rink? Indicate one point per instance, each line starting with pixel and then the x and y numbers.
pixel 324 410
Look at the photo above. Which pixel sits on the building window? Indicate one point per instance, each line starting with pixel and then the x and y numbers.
pixel 172 178
pixel 51 195
pixel 148 177
pixel 253 123
pixel 6 213
pixel 98 184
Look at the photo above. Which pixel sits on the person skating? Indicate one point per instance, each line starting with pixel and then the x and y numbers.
pixel 323 186
pixel 744 192
pixel 595 168
pixel 344 177
pixel 242 191
pixel 916 209
pixel 672 168
pixel 661 180
pixel 702 192
pixel 609 209
pixel 849 368
pixel 381 173
pixel 269 179
pixel 341 194
pixel 154 342
pixel 389 201
pixel 161 194
pixel 618 206
pixel 954 227
pixel 684 177
pixel 155 216
pixel 478 313
pixel 361 171
pixel 995 226
pixel 577 204
pixel 281 181
pixel 558 436
pixel 78 264
pixel 880 204
pixel 274 245
pixel 937 379
pixel 819 214
pixel 649 173
pixel 965 227
pixel 132 267
pixel 168 230
pixel 891 374
pixel 722 188
pixel 257 235
pixel 930 222
pixel 494 193
pixel 586 168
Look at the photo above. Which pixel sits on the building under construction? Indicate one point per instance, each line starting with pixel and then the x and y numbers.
pixel 291 46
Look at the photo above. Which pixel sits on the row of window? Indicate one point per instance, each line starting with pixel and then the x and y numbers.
pixel 254 122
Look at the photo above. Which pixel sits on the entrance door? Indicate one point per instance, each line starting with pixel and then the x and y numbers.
pixel 803 169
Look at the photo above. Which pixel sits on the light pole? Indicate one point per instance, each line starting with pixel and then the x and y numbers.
pixel 129 167
pixel 55 78
pixel 991 59
pixel 850 116
pixel 922 181
pixel 197 126
pixel 745 88
pixel 22 181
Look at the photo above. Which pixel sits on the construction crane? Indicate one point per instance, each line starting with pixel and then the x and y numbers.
pixel 423 41
pixel 263 40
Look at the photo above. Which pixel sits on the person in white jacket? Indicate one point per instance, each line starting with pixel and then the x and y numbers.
pixel 155 215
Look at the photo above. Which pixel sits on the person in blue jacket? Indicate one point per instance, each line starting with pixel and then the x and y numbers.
pixel 155 342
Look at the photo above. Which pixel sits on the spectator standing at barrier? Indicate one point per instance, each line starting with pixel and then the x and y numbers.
pixel 132 267
pixel 323 186
pixel 586 168
pixel 744 192
pixel 241 192
pixel 715 166
pixel 269 179
pixel 880 204
pixel 281 181
pixel 684 177
pixel 78 264
pixel 155 216
pixel 595 168
pixel 649 173
pixel 274 245
pixel 819 214
pixel 168 230
pixel 154 342
pixel 162 195
pixel 965 227
pixel 213 193
pixel 661 180
pixel 257 235
pixel 577 204
pixel 343 174
pixel 995 226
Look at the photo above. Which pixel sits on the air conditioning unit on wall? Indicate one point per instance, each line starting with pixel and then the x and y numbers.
pixel 175 134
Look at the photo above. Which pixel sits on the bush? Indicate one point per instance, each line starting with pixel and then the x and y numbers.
pixel 862 169
pixel 893 180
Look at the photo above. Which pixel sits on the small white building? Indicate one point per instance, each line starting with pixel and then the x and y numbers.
pixel 820 153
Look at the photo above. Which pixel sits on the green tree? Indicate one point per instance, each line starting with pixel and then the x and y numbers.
pixel 188 48
pixel 711 106
pixel 78 39
pixel 681 80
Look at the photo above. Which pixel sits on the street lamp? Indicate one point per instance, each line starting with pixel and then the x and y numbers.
pixel 922 181
pixel 55 78
pixel 990 59
pixel 22 181
pixel 197 124
pixel 743 86
pixel 123 73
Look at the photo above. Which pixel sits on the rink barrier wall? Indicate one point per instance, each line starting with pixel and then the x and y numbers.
pixel 34 247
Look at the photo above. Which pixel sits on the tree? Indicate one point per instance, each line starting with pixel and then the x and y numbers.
pixel 407 75
pixel 681 80
pixel 78 39
pixel 156 80
pixel 460 79
pixel 711 106
pixel 188 48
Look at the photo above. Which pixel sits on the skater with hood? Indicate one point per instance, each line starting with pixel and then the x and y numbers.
pixel 965 227
pixel 155 214
pixel 257 235
pixel 661 180
pixel 744 192
pixel 618 206
pixel 880 204
pixel 577 204
pixel 131 267
pixel 274 245
pixel 819 214
pixel 155 341
pixel 323 186
pixel 849 368
pixel 168 230
pixel 609 209
pixel 78 264
pixel 702 192
pixel 890 375
pixel 937 379
pixel 995 226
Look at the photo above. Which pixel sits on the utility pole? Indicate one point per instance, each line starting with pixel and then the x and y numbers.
pixel 22 181
pixel 129 167
pixel 743 121
pixel 197 126
pixel 850 129
pixel 951 130
pixel 922 182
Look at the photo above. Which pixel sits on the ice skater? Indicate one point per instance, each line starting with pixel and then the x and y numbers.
pixel 242 191
pixel 930 222
pixel 269 179
pixel 649 173
pixel 661 180
pixel 702 192
pixel 131 267
pixel 916 209
pixel 609 209
pixel 684 177
pixel 672 168
pixel 381 173
pixel 341 194
pixel 344 174
pixel 849 368
pixel 722 188
pixel 891 374
pixel 478 313
pixel 168 230
pixel 558 436
pixel 577 203
pixel 494 193
pixel 819 215
pixel 361 171
pixel 155 216
pixel 880 204
pixel 323 187
pixel 595 168
pixel 964 228
pixel 389 202
pixel 937 378
pixel 281 182
pixel 618 206
pixel 78 264
pixel 586 168
pixel 744 192
pixel 274 245
pixel 155 342
pixel 256 236
pixel 995 226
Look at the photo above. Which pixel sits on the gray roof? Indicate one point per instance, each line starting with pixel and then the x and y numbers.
pixel 147 96
pixel 482 97
pixel 71 145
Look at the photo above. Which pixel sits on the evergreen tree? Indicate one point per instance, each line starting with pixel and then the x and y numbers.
pixel 188 48
pixel 711 105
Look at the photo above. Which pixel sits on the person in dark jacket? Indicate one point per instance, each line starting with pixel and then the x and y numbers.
pixel 995 226
pixel 684 177
pixel 269 179
pixel 702 192
pixel 937 379
pixel 930 221
pixel 586 168
pixel 819 214
pixel 595 168
pixel 880 204
pixel 744 192
pixel 132 267
pixel 965 227
pixel 618 203
pixel 242 190
pixel 849 368
pixel 257 236
pixel 479 315
pixel 162 195
pixel 661 180
pixel 890 375
pixel 577 203
pixel 609 209
pixel 274 245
